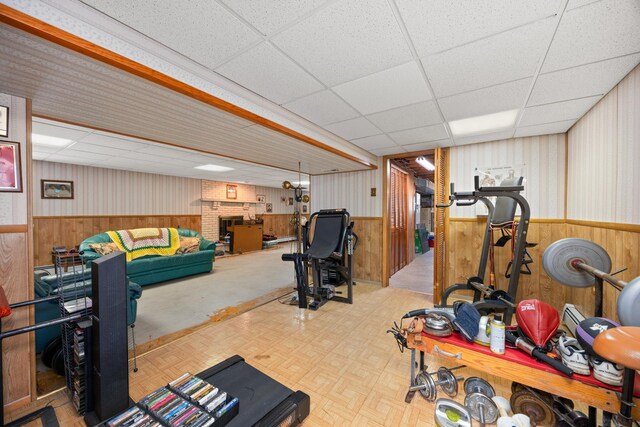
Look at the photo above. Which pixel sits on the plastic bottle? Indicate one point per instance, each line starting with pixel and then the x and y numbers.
pixel 497 335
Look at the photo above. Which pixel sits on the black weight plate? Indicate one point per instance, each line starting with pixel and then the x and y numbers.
pixel 57 363
pixel 540 414
pixel 50 349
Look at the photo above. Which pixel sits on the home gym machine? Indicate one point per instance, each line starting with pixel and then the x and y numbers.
pixel 487 298
pixel 329 255
pixel 580 263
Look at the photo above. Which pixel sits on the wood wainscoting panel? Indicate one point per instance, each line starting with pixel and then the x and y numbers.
pixel 465 244
pixel 278 225
pixel 71 231
pixel 367 259
pixel 16 351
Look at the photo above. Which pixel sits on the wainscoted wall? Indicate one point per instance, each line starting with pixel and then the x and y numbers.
pixel 278 225
pixel 69 231
pixel 16 263
pixel 367 260
pixel 351 190
pixel 543 160
pixel 100 191
pixel 604 154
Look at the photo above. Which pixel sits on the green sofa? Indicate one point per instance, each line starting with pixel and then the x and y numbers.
pixel 154 269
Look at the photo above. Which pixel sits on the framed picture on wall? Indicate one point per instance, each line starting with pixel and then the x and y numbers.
pixel 290 203
pixel 232 191
pixel 305 209
pixel 4 121
pixel 10 167
pixel 261 198
pixel 269 207
pixel 52 189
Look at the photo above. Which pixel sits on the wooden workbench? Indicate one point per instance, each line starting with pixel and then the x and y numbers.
pixel 531 373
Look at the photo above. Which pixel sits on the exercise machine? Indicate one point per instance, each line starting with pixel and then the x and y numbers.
pixel 487 298
pixel 327 250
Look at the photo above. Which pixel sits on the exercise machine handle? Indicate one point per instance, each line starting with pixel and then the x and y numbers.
pixel 538 354
pixel 470 203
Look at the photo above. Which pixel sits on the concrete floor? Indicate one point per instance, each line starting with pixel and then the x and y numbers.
pixel 417 276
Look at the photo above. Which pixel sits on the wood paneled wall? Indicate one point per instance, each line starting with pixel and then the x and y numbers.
pixel 71 231
pixel 367 260
pixel 278 225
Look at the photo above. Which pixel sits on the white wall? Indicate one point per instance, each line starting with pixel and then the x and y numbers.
pixel 99 191
pixel 351 190
pixel 543 158
pixel 604 158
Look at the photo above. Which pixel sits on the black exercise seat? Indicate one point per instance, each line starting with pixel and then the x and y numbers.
pixel 328 236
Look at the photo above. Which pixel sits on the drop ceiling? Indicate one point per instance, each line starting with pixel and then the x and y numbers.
pixel 386 75
pixel 101 149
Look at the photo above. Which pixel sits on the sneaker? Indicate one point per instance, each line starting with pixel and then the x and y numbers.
pixel 607 372
pixel 573 356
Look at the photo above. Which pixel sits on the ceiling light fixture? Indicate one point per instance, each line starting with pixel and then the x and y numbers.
pixel 49 140
pixel 214 168
pixel 425 164
pixel 297 183
pixel 483 124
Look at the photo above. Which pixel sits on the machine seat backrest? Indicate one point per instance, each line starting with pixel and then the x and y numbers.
pixel 328 235
pixel 505 209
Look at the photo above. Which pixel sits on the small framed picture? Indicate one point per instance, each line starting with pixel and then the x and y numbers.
pixel 305 209
pixel 4 121
pixel 232 191
pixel 52 189
pixel 269 207
pixel 261 198
pixel 10 167
pixel 290 201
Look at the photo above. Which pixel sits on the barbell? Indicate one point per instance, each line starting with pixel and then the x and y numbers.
pixel 576 262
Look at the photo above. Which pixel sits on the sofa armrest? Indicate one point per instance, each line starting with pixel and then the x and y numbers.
pixel 88 256
pixel 207 245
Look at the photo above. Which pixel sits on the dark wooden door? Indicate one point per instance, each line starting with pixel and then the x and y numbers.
pixel 398 220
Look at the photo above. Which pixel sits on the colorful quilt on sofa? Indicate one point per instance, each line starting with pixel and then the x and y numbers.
pixel 141 242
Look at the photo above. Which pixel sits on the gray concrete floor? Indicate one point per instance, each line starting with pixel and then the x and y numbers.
pixel 417 276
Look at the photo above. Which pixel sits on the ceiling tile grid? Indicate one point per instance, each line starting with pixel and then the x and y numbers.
pixel 353 128
pixel 322 108
pixel 410 116
pixel 421 134
pixel 558 111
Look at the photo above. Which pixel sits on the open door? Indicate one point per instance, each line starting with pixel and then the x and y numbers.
pixel 441 222
pixel 398 221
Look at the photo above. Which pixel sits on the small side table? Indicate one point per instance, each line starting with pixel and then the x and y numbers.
pixel 67 259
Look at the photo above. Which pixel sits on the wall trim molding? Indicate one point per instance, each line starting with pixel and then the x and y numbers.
pixel 113 216
pixel 619 226
pixel 14 228
pixel 367 218
pixel 532 220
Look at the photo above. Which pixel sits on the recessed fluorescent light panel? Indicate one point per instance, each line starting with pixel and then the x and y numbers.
pixel 296 183
pixel 425 164
pixel 483 124
pixel 214 168
pixel 49 140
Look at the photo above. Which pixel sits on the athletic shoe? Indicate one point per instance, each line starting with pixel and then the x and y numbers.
pixel 573 356
pixel 606 372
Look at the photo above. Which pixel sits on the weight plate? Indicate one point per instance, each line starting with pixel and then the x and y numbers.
pixel 628 301
pixel 537 410
pixel 449 413
pixel 428 391
pixel 49 350
pixel 478 385
pixel 558 257
pixel 477 401
pixel 448 382
pixel 516 387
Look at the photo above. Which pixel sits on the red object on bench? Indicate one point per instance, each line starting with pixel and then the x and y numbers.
pixel 5 310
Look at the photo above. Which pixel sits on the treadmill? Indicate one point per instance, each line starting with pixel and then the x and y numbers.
pixel 264 402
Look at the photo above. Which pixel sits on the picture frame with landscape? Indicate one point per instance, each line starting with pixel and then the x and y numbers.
pixel 55 189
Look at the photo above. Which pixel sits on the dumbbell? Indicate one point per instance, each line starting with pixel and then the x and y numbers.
pixel 448 382
pixel 478 400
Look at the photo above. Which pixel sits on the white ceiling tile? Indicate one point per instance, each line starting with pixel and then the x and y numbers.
pixel 73 160
pixel 426 145
pixel 354 128
pixel 422 134
pixel 58 131
pixel 494 136
pixel 345 41
pixel 39 155
pixel 505 57
pixel 435 26
pixel 110 141
pixel 165 151
pixel 387 151
pixel 411 116
pixel 267 16
pixel 376 141
pixel 573 4
pixel 391 88
pixel 269 73
pixel 71 153
pixel 579 82
pixel 322 108
pixel 558 111
pixel 485 101
pixel 100 149
pixel 45 149
pixel 597 31
pixel 545 129
pixel 202 30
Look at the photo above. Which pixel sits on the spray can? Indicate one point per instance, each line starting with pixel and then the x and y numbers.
pixel 497 335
